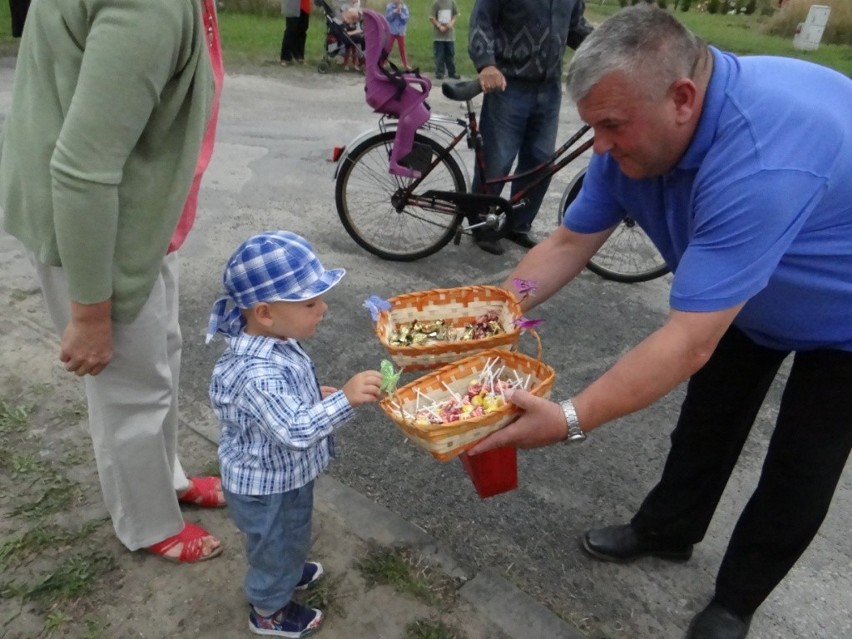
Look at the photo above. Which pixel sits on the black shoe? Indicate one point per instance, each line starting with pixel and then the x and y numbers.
pixel 455 76
pixel 717 622
pixel 489 246
pixel 622 544
pixel 439 76
pixel 521 239
pixel 488 240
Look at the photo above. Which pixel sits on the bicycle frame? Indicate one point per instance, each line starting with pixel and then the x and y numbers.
pixel 451 202
pixel 479 202
pixel 436 127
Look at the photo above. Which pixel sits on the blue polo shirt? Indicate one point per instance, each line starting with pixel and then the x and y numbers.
pixel 758 209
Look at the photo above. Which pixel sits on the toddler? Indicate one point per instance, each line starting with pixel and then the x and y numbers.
pixel 397 15
pixel 276 420
pixel 350 15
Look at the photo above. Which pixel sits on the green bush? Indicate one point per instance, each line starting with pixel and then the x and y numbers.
pixel 750 7
pixel 837 31
pixel 663 4
pixel 713 6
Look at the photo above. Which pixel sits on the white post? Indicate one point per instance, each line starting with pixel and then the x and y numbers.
pixel 809 33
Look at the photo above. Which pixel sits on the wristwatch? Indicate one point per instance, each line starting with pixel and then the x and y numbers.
pixel 575 433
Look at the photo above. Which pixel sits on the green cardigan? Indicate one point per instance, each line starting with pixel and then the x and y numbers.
pixel 110 102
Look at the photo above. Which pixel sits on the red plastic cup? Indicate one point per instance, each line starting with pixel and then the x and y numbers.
pixel 492 472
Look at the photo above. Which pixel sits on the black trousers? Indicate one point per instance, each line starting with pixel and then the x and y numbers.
pixel 18 11
pixel 805 459
pixel 295 36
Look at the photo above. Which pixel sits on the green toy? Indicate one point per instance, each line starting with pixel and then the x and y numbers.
pixel 390 376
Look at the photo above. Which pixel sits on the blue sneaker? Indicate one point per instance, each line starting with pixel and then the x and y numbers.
pixel 292 621
pixel 311 574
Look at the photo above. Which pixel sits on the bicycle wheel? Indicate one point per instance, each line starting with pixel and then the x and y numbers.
pixel 628 255
pixel 375 211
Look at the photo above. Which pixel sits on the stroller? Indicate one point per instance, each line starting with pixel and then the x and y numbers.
pixel 337 40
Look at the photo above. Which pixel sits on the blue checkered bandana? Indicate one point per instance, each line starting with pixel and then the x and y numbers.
pixel 276 266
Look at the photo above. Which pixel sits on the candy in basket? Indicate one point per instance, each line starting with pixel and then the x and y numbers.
pixel 447 411
pixel 428 329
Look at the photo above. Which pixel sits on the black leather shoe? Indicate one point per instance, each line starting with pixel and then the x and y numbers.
pixel 521 239
pixel 717 622
pixel 489 246
pixel 622 544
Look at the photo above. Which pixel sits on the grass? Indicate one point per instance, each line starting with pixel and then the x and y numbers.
pixel 41 538
pixel 53 563
pixel 839 27
pixel 430 629
pixel 750 34
pixel 326 595
pixel 71 579
pixel 13 419
pixel 44 560
pixel 407 573
pixel 254 39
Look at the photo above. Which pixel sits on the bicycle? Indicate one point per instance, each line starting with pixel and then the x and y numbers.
pixel 628 255
pixel 404 205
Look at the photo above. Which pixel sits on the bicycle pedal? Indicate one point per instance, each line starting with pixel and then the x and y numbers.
pixel 457 236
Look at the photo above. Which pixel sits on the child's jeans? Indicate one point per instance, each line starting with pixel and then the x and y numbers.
pixel 277 529
pixel 445 57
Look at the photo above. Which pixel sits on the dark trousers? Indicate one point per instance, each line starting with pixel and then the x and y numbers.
pixel 18 11
pixel 445 56
pixel 295 36
pixel 806 456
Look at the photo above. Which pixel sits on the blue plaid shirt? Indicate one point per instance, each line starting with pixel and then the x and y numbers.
pixel 276 430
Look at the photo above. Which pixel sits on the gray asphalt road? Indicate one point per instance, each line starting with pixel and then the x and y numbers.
pixel 271 169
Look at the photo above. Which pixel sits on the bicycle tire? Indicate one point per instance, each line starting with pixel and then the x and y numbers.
pixel 628 255
pixel 364 194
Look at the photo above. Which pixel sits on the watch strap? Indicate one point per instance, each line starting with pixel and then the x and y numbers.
pixel 575 433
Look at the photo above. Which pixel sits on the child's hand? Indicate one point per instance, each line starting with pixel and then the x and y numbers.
pixel 363 388
pixel 325 391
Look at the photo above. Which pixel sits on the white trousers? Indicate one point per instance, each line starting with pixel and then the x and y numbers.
pixel 133 410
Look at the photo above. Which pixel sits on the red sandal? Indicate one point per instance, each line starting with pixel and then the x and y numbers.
pixel 192 549
pixel 204 492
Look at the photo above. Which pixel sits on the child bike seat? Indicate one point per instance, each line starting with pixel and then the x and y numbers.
pixel 392 92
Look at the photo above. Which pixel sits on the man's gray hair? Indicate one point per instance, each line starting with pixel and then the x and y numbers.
pixel 642 42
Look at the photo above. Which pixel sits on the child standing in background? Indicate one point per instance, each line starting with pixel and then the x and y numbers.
pixel 276 420
pixel 443 17
pixel 350 16
pixel 397 15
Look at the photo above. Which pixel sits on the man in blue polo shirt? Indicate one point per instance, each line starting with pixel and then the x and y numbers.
pixel 740 170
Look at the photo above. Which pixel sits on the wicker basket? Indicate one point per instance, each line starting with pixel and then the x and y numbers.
pixel 445 441
pixel 456 307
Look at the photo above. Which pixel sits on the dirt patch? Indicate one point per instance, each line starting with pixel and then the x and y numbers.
pixel 64 574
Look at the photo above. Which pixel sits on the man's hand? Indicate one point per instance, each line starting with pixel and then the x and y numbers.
pixel 492 79
pixel 541 424
pixel 86 346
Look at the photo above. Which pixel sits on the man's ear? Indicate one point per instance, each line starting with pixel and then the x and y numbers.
pixel 684 95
